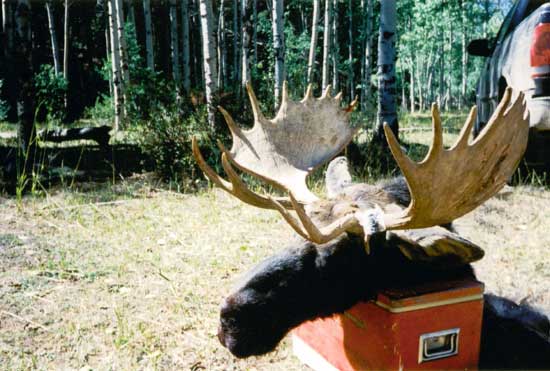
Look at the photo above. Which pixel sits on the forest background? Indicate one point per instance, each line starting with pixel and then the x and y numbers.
pixel 155 70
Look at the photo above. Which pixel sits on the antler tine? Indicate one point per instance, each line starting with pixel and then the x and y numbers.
pixel 235 130
pixel 464 135
pixel 352 105
pixel 284 98
pixel 236 187
pixel 289 218
pixel 437 141
pixel 207 170
pixel 258 115
pixel 403 161
pixel 338 97
pixel 326 93
pixel 241 190
pixel 309 93
pixel 324 234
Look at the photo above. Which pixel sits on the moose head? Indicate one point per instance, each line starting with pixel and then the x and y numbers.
pixel 335 267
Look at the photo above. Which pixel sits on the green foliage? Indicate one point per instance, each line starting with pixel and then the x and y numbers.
pixel 51 90
pixel 3 105
pixel 146 92
pixel 167 139
pixel 102 111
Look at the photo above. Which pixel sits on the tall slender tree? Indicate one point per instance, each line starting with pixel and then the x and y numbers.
pixel 327 43
pixel 313 43
pixel 186 61
pixel 387 108
pixel 174 43
pixel 351 76
pixel 245 41
pixel 335 46
pixel 122 43
pixel 209 56
pixel 278 47
pixel 367 58
pixel 149 50
pixel 7 24
pixel 53 37
pixel 66 38
pixel 118 96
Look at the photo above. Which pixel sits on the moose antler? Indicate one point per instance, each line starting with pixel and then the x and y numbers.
pixel 304 135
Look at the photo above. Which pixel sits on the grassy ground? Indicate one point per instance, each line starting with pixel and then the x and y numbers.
pixel 130 276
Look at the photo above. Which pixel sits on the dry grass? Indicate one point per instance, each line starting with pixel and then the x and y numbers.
pixel 130 276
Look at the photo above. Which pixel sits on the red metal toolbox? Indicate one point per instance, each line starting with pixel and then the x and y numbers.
pixel 429 327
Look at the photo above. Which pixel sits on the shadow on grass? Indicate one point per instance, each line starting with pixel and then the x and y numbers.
pixel 78 163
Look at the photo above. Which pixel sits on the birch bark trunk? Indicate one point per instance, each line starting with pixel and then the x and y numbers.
pixel 66 42
pixel 464 69
pixel 222 51
pixel 387 111
pixel 278 47
pixel 149 35
pixel 366 66
pixel 313 43
pixel 186 61
pixel 245 42
pixel 53 37
pixel 411 87
pixel 335 47
pixel 326 43
pixel 236 57
pixel 174 43
pixel 209 56
pixel 255 33
pixel 115 64
pixel 122 42
pixel 350 51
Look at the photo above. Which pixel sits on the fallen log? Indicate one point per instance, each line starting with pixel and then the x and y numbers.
pixel 99 134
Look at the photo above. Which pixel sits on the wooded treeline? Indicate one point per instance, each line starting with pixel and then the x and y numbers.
pixel 204 49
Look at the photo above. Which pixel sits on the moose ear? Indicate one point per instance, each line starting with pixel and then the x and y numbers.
pixel 435 245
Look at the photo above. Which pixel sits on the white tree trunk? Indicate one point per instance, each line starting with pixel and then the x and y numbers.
pixel 66 42
pixel 245 43
pixel 278 47
pixel 335 47
pixel 367 56
pixel 109 54
pixel 313 43
pixel 209 56
pixel 464 83
pixel 7 23
pixel 326 43
pixel 411 87
pixel 255 32
pixel 174 43
pixel 222 47
pixel 122 44
pixel 236 58
pixel 115 64
pixel 387 110
pixel 186 61
pixel 53 37
pixel 350 51
pixel 149 35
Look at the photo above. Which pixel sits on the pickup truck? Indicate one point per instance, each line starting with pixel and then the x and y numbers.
pixel 519 57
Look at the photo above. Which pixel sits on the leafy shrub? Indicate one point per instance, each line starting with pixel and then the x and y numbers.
pixel 167 139
pixel 51 90
pixel 146 92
